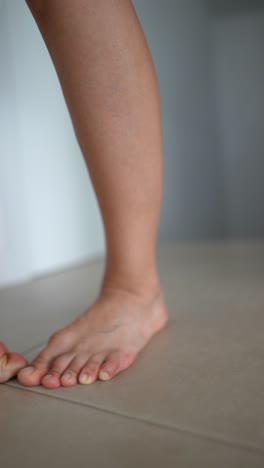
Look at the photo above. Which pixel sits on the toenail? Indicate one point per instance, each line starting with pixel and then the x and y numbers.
pixel 85 379
pixel 67 376
pixel 104 375
pixel 48 377
pixel 28 370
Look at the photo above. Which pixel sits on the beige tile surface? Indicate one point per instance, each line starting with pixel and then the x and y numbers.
pixel 38 431
pixel 29 313
pixel 204 373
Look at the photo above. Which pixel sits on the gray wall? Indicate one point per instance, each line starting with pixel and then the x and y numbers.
pixel 178 33
pixel 227 8
pixel 209 58
pixel 238 34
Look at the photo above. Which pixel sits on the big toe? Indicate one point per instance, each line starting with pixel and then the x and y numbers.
pixel 10 365
pixel 31 376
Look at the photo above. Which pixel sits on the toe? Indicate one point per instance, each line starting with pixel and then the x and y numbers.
pixel 90 371
pixel 115 363
pixel 3 349
pixel 70 376
pixel 58 343
pixel 31 376
pixel 57 368
pixel 51 380
pixel 10 365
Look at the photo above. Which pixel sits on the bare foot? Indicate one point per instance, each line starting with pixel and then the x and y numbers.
pixel 102 342
pixel 10 364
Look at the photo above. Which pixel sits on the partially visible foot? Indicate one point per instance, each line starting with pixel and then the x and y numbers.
pixel 102 342
pixel 10 364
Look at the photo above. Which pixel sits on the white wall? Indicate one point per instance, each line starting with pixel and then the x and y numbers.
pixel 55 210
pixel 15 254
pixel 238 33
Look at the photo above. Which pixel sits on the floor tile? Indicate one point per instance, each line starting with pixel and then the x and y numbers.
pixel 36 430
pixel 30 313
pixel 204 372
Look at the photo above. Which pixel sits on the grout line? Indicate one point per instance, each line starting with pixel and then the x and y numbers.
pixel 169 427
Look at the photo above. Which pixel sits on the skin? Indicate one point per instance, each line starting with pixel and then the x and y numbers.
pixel 111 89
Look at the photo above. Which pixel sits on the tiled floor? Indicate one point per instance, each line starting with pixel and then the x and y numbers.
pixel 194 396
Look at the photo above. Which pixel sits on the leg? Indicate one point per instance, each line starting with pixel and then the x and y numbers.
pixel 110 86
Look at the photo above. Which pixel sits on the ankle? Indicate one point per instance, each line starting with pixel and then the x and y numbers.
pixel 143 284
